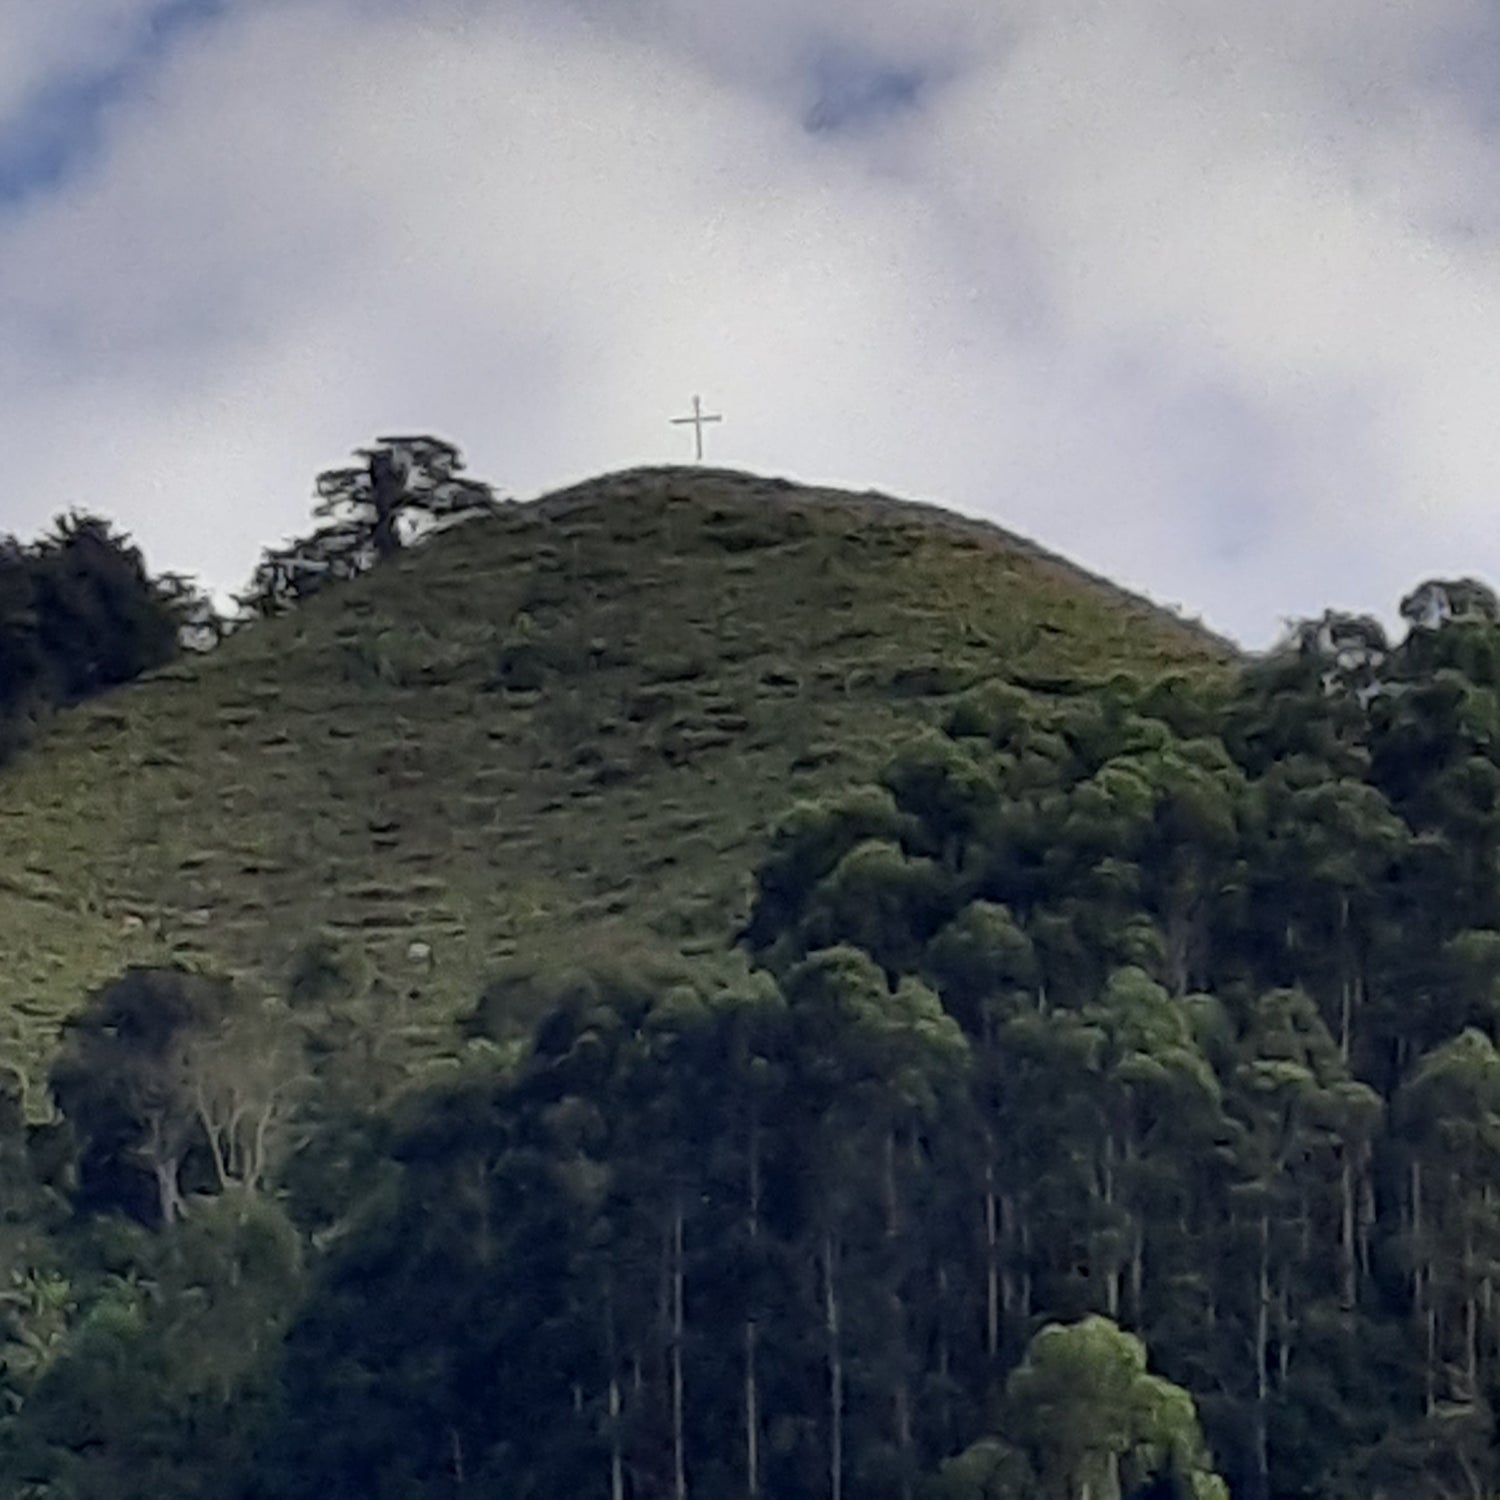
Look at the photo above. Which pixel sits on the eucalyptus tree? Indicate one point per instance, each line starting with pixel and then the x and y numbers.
pixel 1450 1117
pixel 1295 1109
pixel 1082 1419
pixel 874 1067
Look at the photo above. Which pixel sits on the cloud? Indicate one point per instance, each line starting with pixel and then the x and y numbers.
pixel 1204 295
pixel 60 66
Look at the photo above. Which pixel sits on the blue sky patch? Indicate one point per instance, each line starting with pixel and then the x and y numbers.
pixel 855 91
pixel 58 127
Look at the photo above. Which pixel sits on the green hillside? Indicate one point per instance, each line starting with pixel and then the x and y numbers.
pixel 569 726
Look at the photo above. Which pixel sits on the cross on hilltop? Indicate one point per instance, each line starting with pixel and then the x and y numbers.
pixel 697 422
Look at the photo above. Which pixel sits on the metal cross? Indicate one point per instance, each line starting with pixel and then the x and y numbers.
pixel 696 422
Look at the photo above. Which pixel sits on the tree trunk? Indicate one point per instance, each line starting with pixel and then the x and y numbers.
pixel 1107 1192
pixel 752 1387
pixel 944 1363
pixel 616 1404
pixel 1346 982
pixel 903 1437
pixel 385 500
pixel 1471 1314
pixel 1261 1476
pixel 900 1395
pixel 1348 1252
pixel 992 1264
pixel 616 1457
pixel 1421 1291
pixel 679 1457
pixel 835 1373
pixel 168 1193
pixel 1025 1237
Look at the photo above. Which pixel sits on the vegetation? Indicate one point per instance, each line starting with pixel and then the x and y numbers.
pixel 405 487
pixel 562 728
pixel 80 615
pixel 1075 1081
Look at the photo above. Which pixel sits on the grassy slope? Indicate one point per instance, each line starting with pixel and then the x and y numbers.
pixel 709 647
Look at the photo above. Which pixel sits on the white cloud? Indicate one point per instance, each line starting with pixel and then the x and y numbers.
pixel 1205 295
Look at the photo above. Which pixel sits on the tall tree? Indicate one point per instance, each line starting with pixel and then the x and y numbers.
pixel 404 486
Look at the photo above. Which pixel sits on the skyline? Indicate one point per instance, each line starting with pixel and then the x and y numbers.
pixel 1205 301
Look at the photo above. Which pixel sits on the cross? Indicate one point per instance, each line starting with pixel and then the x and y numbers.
pixel 696 422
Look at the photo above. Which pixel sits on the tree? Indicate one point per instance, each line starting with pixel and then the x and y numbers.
pixel 404 487
pixel 100 619
pixel 1095 1424
pixel 1440 600
pixel 1082 1420
pixel 79 614
pixel 163 1065
pixel 162 1382
pixel 1450 1110
pixel 287 576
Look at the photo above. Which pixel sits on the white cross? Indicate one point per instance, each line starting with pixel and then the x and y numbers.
pixel 696 422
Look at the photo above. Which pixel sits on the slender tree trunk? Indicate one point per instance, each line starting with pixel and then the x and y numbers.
pixel 1346 982
pixel 679 1456
pixel 1471 1313
pixel 1348 1252
pixel 1025 1236
pixel 616 1404
pixel 752 1387
pixel 1261 1478
pixel 835 1372
pixel 991 1264
pixel 168 1193
pixel 1414 1193
pixel 215 1146
pixel 616 1456
pixel 889 1183
pixel 1107 1192
pixel 1007 1273
pixel 900 1395
pixel 1421 1287
pixel 1487 1286
pixel 1366 1214
pixel 1346 1011
pixel 903 1437
pixel 944 1362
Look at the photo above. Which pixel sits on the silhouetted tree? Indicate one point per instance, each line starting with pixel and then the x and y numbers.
pixel 405 486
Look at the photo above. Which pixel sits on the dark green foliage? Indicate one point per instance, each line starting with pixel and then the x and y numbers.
pixel 1148 1016
pixel 170 1081
pixel 79 615
pixel 161 1384
pixel 404 488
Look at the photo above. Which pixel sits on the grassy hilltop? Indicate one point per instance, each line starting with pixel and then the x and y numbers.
pixel 563 728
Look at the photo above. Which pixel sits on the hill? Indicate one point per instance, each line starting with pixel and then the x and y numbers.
pixel 568 726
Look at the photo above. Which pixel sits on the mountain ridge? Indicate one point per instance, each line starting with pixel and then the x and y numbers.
pixel 570 725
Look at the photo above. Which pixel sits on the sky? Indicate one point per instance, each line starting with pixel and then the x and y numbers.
pixel 1202 294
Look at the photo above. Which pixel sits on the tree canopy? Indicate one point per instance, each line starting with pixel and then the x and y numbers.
pixel 1103 1103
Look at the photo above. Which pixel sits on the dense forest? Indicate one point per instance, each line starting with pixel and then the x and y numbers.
pixel 1103 1102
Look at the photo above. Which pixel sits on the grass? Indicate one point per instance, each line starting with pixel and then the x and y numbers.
pixel 561 730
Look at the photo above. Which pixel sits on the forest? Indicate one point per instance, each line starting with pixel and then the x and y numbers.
pixel 1098 1101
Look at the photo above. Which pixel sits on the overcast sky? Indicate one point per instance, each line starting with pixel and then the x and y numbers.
pixel 1204 294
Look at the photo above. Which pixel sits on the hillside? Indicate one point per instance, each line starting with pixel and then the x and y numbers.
pixel 566 727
